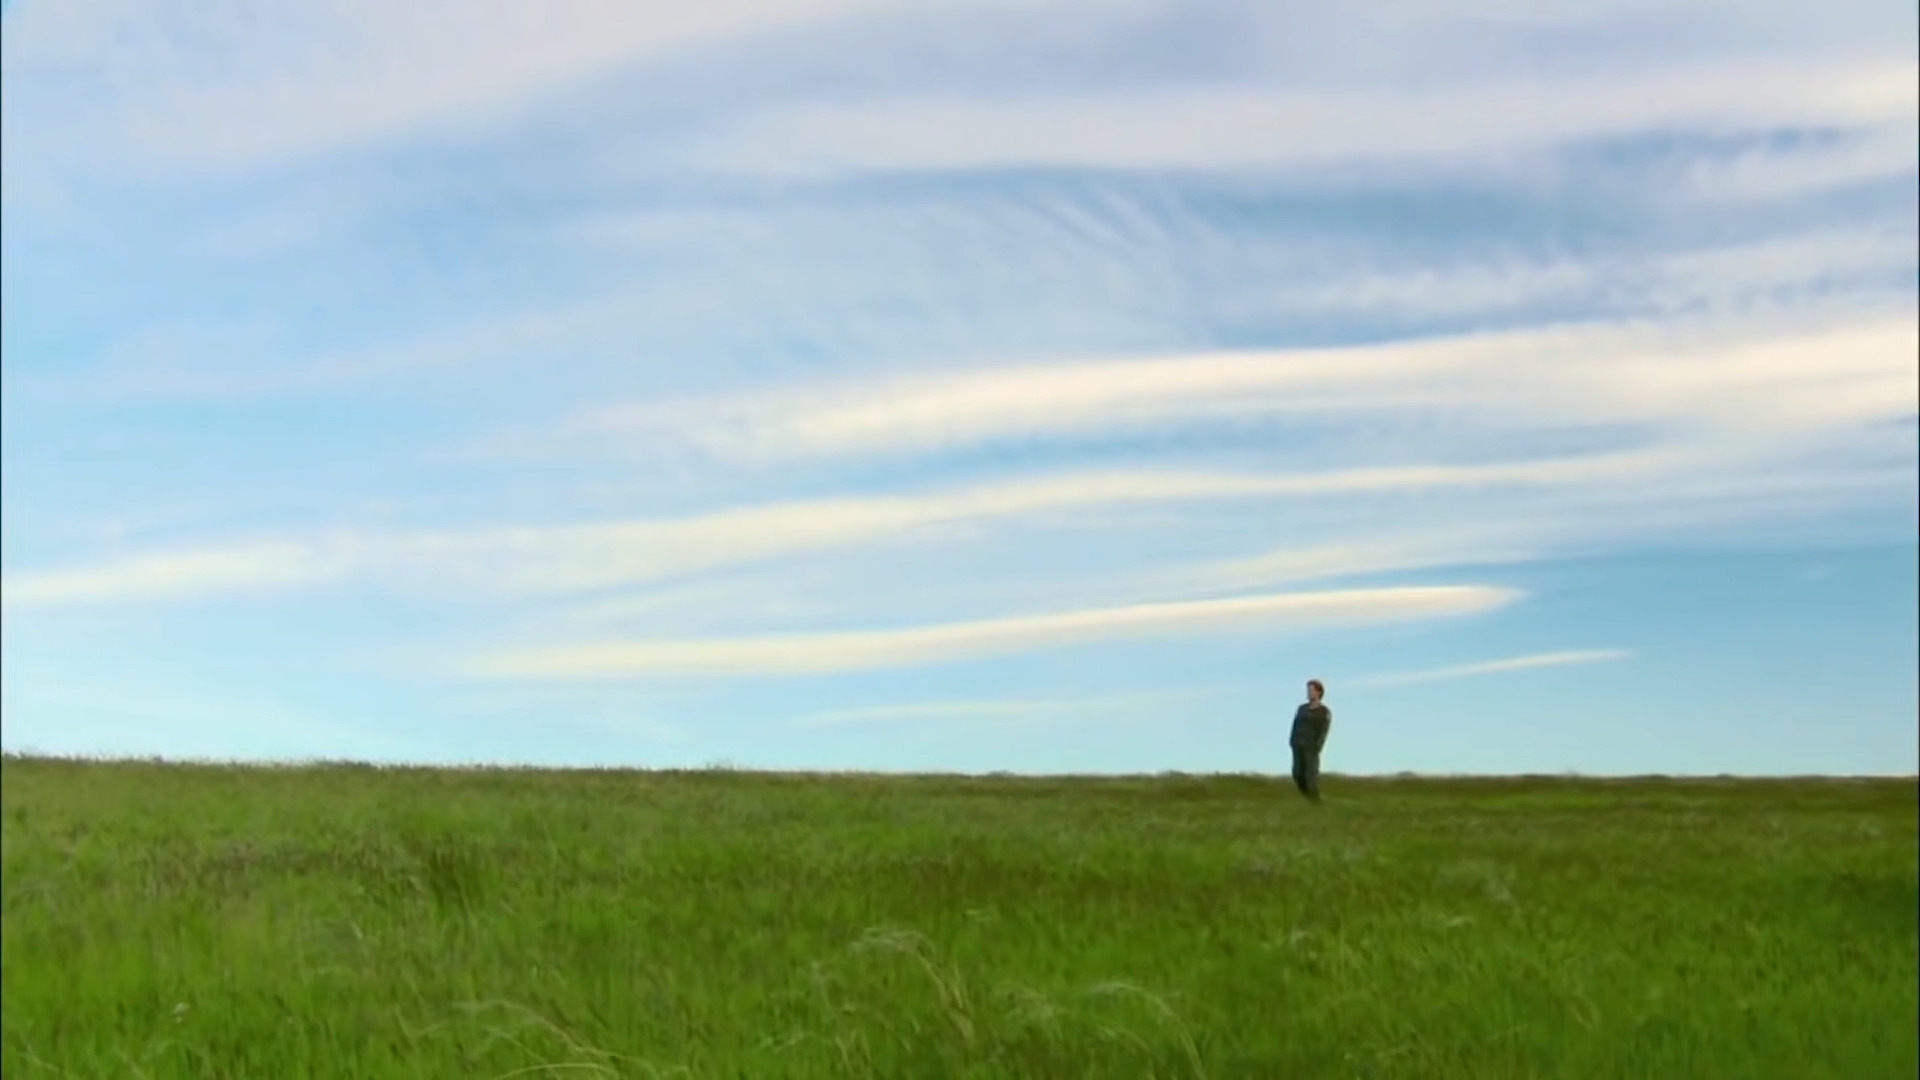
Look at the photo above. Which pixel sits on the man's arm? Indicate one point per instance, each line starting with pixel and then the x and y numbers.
pixel 1326 728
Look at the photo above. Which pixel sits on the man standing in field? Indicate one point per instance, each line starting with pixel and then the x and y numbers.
pixel 1311 722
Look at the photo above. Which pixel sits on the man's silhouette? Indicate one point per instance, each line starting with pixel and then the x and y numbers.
pixel 1311 722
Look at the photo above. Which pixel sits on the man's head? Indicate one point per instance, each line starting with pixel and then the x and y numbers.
pixel 1315 690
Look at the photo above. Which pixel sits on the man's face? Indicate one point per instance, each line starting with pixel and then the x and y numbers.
pixel 1313 692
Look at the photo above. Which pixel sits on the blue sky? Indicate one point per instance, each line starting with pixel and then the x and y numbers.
pixel 963 386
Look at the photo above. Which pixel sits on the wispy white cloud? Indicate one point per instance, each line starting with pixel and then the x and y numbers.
pixel 188 86
pixel 821 653
pixel 569 558
pixel 1143 257
pixel 1270 126
pixel 931 281
pixel 1744 382
pixel 187 89
pixel 1768 276
pixel 1499 667
pixel 1726 414
pixel 178 575
pixel 1447 545
pixel 1884 152
pixel 1725 500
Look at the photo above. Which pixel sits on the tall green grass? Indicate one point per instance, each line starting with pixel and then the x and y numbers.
pixel 200 922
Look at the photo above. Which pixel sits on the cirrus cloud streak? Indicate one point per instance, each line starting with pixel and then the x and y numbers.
pixel 1500 667
pixel 830 652
pixel 573 558
pixel 1740 381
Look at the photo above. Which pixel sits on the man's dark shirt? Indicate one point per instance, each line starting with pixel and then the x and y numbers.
pixel 1311 722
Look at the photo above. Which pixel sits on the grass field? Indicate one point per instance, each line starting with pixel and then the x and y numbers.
pixel 199 922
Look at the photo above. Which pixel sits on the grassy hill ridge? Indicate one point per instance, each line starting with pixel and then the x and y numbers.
pixel 333 921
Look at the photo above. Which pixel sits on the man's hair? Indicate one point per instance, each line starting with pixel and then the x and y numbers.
pixel 1316 684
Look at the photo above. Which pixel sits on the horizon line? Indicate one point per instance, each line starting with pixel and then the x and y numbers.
pixel 723 767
